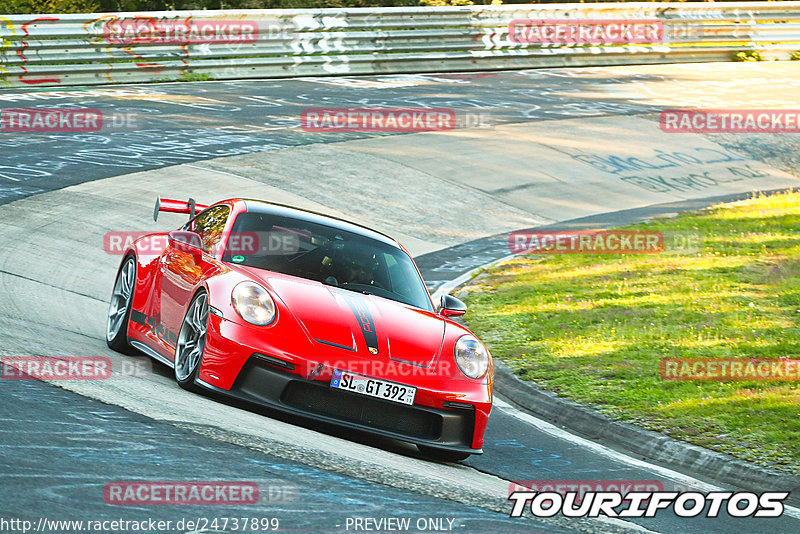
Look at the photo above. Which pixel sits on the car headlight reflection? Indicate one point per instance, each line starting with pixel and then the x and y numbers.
pixel 471 356
pixel 253 303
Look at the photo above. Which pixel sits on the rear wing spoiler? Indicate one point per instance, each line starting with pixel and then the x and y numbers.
pixel 169 205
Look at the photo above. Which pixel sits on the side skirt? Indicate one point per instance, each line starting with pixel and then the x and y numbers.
pixel 152 353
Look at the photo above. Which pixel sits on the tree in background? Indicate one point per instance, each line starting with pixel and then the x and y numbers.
pixel 104 6
pixel 49 6
pixel 459 2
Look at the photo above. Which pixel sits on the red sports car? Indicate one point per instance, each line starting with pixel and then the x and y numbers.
pixel 307 314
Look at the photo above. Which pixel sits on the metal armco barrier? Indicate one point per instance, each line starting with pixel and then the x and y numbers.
pixel 47 50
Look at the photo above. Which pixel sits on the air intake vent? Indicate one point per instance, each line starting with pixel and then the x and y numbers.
pixel 383 415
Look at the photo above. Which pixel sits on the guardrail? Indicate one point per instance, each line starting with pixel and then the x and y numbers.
pixel 43 50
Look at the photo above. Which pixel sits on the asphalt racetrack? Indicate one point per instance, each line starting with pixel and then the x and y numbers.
pixel 540 147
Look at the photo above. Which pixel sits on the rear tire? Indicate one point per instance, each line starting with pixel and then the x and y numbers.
pixel 119 309
pixel 191 342
pixel 442 455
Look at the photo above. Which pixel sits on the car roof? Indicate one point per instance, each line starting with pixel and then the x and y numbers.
pixel 272 208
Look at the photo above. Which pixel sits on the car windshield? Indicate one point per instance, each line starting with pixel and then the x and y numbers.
pixel 325 254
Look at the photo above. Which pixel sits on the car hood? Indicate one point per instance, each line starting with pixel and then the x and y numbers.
pixel 360 324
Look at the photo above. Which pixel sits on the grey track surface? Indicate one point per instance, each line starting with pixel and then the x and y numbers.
pixel 63 448
pixel 177 123
pixel 54 278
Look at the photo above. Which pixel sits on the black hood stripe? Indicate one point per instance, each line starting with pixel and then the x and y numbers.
pixel 359 308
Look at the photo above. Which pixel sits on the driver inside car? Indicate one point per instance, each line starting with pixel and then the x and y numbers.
pixel 350 264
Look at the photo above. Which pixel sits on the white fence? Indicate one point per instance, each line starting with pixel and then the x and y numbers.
pixel 42 50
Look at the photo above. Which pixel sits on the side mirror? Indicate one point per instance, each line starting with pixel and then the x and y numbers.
pixel 452 307
pixel 188 242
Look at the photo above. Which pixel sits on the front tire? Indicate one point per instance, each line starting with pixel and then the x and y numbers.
pixel 119 309
pixel 442 455
pixel 191 342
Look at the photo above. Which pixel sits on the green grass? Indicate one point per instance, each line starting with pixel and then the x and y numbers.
pixel 186 77
pixel 594 327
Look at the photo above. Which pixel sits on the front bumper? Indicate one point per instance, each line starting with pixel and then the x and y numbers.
pixel 259 382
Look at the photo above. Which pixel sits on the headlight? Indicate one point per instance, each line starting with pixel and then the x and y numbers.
pixel 471 356
pixel 253 303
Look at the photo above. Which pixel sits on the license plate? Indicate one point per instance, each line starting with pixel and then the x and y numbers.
pixel 373 387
